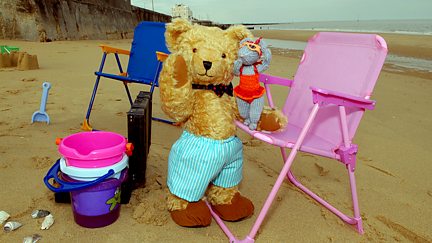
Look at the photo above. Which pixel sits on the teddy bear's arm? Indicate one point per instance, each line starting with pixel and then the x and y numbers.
pixel 176 89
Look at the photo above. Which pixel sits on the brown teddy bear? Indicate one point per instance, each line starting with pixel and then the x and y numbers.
pixel 196 91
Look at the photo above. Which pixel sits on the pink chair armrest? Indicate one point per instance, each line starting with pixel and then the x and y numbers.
pixel 324 97
pixel 269 79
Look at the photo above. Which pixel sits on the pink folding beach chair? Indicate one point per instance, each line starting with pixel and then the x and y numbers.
pixel 326 101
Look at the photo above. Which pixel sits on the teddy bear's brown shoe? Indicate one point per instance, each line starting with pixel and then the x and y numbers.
pixel 196 214
pixel 239 208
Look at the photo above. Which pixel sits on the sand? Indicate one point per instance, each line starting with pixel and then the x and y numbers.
pixel 394 159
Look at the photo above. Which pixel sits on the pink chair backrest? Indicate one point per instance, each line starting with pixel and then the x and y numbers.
pixel 344 62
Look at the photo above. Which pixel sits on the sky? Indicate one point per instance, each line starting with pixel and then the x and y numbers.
pixel 265 11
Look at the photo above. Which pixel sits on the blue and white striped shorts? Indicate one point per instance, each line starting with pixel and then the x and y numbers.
pixel 195 162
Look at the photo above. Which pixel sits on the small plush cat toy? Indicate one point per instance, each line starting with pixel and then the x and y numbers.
pixel 253 58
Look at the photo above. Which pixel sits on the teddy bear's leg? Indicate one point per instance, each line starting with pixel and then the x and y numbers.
pixel 222 193
pixel 243 108
pixel 188 214
pixel 255 111
pixel 192 164
pixel 229 204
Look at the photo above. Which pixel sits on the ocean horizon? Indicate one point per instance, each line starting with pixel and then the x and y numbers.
pixel 410 26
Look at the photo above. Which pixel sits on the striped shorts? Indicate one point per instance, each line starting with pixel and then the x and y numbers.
pixel 195 162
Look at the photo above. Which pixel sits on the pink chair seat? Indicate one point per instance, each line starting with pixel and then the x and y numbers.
pixel 288 137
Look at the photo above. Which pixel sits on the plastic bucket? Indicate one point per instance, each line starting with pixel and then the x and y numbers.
pixel 95 199
pixel 94 178
pixel 93 149
pixel 97 205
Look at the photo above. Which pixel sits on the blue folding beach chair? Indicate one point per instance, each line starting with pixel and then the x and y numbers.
pixel 147 53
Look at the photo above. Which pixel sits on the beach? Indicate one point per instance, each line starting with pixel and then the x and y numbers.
pixel 393 162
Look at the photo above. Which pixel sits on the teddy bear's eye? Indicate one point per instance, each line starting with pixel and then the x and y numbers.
pixel 223 55
pixel 194 50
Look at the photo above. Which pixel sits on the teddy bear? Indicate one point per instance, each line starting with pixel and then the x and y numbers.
pixel 206 162
pixel 253 58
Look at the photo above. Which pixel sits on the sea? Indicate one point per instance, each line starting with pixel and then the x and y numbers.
pixel 408 27
pixel 411 26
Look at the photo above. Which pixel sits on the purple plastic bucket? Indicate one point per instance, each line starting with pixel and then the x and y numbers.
pixel 98 205
pixel 95 192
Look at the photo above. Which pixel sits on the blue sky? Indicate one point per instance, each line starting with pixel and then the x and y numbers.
pixel 236 11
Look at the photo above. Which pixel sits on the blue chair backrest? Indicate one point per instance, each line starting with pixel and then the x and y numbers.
pixel 149 37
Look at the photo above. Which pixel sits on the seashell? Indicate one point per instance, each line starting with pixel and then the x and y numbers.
pixel 3 216
pixel 48 221
pixel 32 239
pixel 10 226
pixel 40 213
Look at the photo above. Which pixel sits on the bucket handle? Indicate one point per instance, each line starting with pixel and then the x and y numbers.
pixel 70 186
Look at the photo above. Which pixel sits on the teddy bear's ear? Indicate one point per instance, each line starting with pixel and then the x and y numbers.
pixel 174 30
pixel 238 32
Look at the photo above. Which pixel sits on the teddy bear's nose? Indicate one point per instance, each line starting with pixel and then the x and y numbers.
pixel 207 65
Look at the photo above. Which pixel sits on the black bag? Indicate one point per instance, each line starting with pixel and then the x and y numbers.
pixel 139 134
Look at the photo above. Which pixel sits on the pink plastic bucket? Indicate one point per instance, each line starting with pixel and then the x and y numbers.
pixel 93 149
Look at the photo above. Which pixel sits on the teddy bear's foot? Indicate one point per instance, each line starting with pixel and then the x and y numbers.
pixel 196 214
pixel 239 208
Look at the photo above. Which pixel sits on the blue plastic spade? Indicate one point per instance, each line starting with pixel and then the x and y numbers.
pixel 41 115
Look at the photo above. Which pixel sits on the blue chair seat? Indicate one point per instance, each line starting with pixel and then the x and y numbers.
pixel 126 78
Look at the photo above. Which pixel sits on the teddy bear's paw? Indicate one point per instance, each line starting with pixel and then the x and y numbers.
pixel 180 71
pixel 272 120
pixel 239 208
pixel 196 214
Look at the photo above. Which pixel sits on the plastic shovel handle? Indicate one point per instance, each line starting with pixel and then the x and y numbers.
pixel 70 186
pixel 45 88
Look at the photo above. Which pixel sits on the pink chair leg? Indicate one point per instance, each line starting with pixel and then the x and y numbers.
pixel 222 225
pixel 356 220
pixel 357 216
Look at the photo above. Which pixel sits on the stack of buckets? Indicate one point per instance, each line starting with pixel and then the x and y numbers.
pixel 92 168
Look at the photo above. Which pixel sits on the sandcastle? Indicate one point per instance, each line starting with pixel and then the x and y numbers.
pixel 20 60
